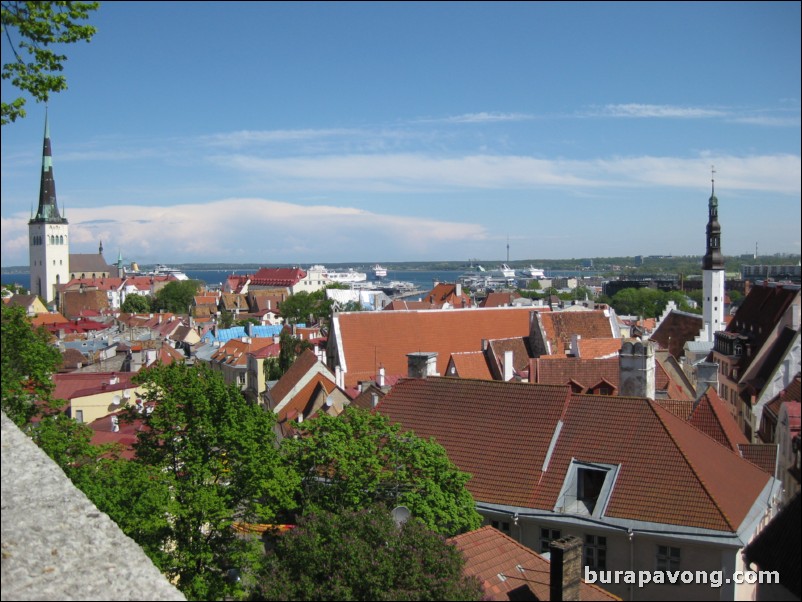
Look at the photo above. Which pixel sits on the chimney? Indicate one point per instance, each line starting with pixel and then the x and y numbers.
pixel 507 365
pixel 380 379
pixel 575 338
pixel 374 400
pixel 459 289
pixel 566 568
pixel 706 376
pixel 422 364
pixel 636 369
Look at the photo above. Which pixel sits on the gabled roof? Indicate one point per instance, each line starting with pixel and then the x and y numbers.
pixel 504 566
pixel 235 352
pixel 402 304
pixel 284 277
pixel 46 319
pixel 558 327
pixel 447 293
pixel 75 302
pixel 292 377
pixel 520 354
pixel 675 330
pixel 669 472
pixel 366 340
pixel 469 364
pixel 89 262
pixel 712 416
pixel 499 299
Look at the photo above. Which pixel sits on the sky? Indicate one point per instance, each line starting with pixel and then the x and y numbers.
pixel 303 133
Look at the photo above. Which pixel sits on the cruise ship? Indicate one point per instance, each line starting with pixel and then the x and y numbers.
pixel 379 271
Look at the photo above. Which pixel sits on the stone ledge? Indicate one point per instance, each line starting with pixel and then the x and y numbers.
pixel 56 545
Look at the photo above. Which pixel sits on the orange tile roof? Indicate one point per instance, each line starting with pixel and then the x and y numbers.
pixel 599 348
pixel 762 455
pixel 470 364
pixel 447 293
pixel 670 472
pixel 48 318
pixel 560 326
pixel 368 340
pixel 712 416
pixel 303 364
pixel 301 402
pixel 520 354
pixel 490 554
pixel 235 351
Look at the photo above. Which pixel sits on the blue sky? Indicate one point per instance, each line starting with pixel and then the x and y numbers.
pixel 307 132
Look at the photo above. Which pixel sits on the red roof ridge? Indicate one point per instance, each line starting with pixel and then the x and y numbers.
pixel 653 406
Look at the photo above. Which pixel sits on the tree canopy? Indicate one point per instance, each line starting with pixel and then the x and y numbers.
pixel 31 29
pixel 359 459
pixel 136 304
pixel 646 302
pixel 363 555
pixel 290 348
pixel 177 296
pixel 218 455
pixel 28 361
pixel 303 307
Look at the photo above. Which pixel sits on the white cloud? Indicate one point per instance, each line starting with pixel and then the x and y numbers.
pixel 416 172
pixel 247 229
pixel 660 111
pixel 483 117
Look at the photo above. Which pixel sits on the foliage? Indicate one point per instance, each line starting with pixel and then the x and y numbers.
pixel 177 296
pixel 364 556
pixel 646 302
pixel 31 29
pixel 219 457
pixel 66 441
pixel 304 307
pixel 27 363
pixel 226 319
pixel 136 304
pixel 359 459
pixel 291 348
pixel 135 496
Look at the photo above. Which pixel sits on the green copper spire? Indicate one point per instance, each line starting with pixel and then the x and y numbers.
pixel 48 207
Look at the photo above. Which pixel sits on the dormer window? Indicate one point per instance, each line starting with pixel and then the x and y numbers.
pixel 587 488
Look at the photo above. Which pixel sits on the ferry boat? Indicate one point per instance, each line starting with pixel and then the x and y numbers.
pixel 379 271
pixel 349 276
pixel 533 272
pixel 159 270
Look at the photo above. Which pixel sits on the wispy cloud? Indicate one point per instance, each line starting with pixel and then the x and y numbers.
pixel 483 117
pixel 416 172
pixel 659 111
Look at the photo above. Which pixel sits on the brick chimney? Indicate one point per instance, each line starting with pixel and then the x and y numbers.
pixel 566 568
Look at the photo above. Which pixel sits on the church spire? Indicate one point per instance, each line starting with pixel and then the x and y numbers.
pixel 713 259
pixel 48 207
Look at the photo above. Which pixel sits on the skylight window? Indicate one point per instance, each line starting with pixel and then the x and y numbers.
pixel 587 488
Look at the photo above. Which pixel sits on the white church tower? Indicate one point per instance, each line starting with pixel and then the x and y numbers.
pixel 48 239
pixel 713 273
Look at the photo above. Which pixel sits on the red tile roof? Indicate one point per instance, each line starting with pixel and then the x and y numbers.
pixel 447 293
pixel 559 327
pixel 675 330
pixel 490 554
pixel 762 455
pixel 470 364
pixel 367 340
pixel 712 416
pixel 669 471
pixel 590 349
pixel 80 384
pixel 499 299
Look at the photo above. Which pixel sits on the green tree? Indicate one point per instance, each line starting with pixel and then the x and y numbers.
pixel 28 361
pixel 31 29
pixel 222 465
pixel 363 555
pixel 303 307
pixel 359 459
pixel 177 296
pixel 136 304
pixel 290 348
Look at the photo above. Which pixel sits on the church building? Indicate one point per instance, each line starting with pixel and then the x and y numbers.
pixel 51 263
